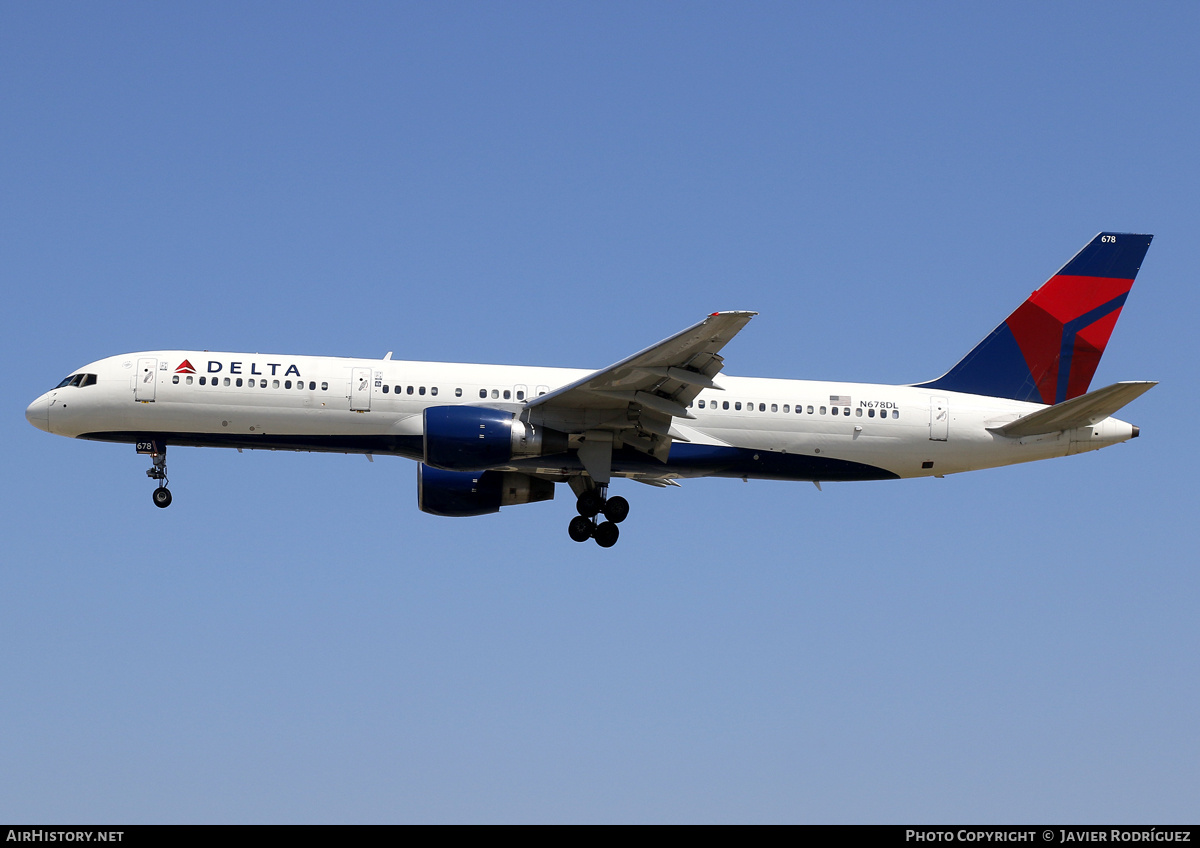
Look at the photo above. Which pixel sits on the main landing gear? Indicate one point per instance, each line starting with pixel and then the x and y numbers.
pixel 162 495
pixel 592 503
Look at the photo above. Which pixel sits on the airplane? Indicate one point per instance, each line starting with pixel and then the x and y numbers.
pixel 491 436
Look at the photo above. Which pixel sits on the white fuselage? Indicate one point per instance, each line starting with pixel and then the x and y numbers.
pixel 376 406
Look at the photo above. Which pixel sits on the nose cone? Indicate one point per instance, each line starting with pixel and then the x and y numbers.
pixel 38 413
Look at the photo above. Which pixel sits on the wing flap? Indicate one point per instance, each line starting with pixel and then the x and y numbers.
pixel 691 352
pixel 641 396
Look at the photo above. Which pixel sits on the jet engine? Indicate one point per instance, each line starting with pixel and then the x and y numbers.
pixel 461 438
pixel 462 493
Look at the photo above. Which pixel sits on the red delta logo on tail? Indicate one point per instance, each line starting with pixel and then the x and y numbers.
pixel 1047 351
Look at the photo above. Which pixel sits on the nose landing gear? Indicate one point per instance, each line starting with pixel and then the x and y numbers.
pixel 158 454
pixel 592 503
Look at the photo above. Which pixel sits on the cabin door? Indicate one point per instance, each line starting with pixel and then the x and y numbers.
pixel 939 419
pixel 360 389
pixel 145 379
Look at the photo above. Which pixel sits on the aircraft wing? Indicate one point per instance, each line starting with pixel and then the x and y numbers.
pixel 1082 411
pixel 639 397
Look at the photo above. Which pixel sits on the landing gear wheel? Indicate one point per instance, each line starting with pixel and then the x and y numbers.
pixel 162 497
pixel 606 534
pixel 590 503
pixel 616 509
pixel 580 529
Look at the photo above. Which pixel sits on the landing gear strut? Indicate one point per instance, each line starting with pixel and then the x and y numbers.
pixel 162 495
pixel 592 503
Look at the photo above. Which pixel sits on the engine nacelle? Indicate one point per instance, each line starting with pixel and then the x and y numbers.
pixel 462 493
pixel 461 438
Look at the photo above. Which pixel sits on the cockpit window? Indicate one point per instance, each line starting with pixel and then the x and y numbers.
pixel 77 380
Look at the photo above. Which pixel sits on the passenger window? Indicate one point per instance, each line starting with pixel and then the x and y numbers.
pixel 483 393
pixel 175 379
pixel 239 382
pixel 227 381
pixel 762 407
pixel 189 379
pixel 202 381
pixel 702 404
pixel 870 413
pixel 274 384
pixel 262 384
pixel 520 395
pixel 858 412
pixel 810 410
pixel 421 391
pixel 458 392
pixel 495 394
pixel 787 408
pixel 724 404
pixel 846 411
pixel 433 391
pixel 822 410
pixel 737 404
pixel 385 390
pixel 775 408
pixel 834 410
pixel 895 413
pixel 312 386
pixel 324 386
pixel 287 384
pixel 409 390
pixel 507 394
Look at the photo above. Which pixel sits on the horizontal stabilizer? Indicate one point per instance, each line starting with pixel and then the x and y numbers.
pixel 1082 411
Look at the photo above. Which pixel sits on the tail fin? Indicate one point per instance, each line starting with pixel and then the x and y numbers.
pixel 1048 350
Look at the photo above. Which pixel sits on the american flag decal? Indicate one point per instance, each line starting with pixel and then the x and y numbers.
pixel 839 400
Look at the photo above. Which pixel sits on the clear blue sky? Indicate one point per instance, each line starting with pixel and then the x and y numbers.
pixel 549 183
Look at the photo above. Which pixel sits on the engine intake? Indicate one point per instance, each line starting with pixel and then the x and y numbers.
pixel 463 493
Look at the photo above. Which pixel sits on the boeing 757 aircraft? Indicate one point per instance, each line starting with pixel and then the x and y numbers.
pixel 489 436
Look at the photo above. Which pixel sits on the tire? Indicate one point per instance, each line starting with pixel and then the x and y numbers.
pixel 162 497
pixel 616 509
pixel 589 504
pixel 606 534
pixel 580 529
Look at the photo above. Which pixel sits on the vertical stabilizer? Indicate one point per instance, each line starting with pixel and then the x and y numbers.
pixel 1048 350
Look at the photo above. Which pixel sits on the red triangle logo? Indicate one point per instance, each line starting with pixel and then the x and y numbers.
pixel 185 367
